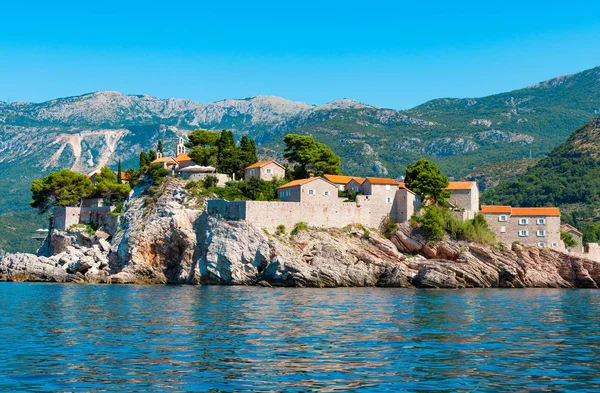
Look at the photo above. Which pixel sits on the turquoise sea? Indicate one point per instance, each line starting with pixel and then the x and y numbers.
pixel 61 337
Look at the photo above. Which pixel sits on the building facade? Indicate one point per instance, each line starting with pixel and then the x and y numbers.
pixel 313 189
pixel 535 226
pixel 265 170
pixel 464 198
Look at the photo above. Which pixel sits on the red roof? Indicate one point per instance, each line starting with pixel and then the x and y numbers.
pixel 341 179
pixel 300 182
pixel 536 211
pixel 460 185
pixel 263 163
pixel 522 211
pixel 382 180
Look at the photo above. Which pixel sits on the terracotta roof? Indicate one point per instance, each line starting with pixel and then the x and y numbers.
pixel 521 211
pixel 570 228
pixel 183 157
pixel 536 211
pixel 460 185
pixel 401 185
pixel 300 182
pixel 496 210
pixel 263 163
pixel 382 180
pixel 340 179
pixel 164 159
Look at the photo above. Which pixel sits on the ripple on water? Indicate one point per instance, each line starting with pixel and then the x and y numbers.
pixel 175 338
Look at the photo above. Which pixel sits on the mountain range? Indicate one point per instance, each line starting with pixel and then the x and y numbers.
pixel 86 132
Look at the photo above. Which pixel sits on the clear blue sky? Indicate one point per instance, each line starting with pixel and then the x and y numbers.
pixel 395 54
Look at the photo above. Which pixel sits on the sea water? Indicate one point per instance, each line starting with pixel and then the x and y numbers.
pixel 65 337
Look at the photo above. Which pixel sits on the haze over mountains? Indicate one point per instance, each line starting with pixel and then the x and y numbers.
pixel 86 132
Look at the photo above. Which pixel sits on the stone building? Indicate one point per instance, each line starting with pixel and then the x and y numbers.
pixel 355 185
pixel 265 170
pixel 464 199
pixel 533 226
pixel 342 181
pixel 89 211
pixel 312 189
pixel 577 236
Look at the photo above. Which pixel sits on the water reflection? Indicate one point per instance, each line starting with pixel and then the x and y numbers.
pixel 169 338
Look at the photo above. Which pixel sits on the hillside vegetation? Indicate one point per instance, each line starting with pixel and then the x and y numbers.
pixel 569 178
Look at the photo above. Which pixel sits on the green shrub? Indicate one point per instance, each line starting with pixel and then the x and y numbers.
pixel 280 229
pixel 567 238
pixel 301 226
pixel 436 221
pixel 191 185
pixel 367 234
pixel 389 226
pixel 210 181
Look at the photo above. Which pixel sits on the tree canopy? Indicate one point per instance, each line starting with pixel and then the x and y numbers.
pixel 108 187
pixel 309 156
pixel 204 147
pixel 62 188
pixel 426 180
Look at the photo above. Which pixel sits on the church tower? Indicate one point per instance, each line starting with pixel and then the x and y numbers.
pixel 159 153
pixel 180 147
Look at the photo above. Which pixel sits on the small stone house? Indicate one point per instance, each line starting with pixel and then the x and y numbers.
pixel 383 189
pixel 532 226
pixel 312 189
pixel 340 181
pixel 355 185
pixel 577 236
pixel 464 198
pixel 265 170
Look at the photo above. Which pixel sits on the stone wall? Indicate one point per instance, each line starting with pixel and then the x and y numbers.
pixel 221 177
pixel 66 217
pixel 467 200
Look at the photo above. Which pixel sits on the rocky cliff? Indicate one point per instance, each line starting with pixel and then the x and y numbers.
pixel 166 238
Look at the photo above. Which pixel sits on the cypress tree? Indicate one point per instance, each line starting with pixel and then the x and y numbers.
pixel 160 147
pixel 144 160
pixel 119 174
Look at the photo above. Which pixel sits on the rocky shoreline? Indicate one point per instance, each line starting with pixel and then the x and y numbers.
pixel 170 240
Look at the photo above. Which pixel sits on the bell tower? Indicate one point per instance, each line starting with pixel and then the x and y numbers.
pixel 180 147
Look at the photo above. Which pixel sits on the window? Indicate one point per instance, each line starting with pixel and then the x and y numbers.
pixel 389 200
pixel 387 187
pixel 502 229
pixel 281 194
pixel 503 218
pixel 288 193
pixel 541 221
pixel 523 221
pixel 268 171
pixel 541 233
pixel 252 171
pixel 312 192
pixel 554 244
pixel 523 233
pixel 542 245
pixel 326 193
pixel 355 189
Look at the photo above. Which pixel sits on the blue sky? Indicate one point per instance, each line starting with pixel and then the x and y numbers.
pixel 394 54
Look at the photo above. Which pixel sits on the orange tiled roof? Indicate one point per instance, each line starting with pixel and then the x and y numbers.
pixel 536 211
pixel 299 182
pixel 168 160
pixel 382 180
pixel 340 179
pixel 521 211
pixel 183 157
pixel 460 185
pixel 401 185
pixel 495 209
pixel 569 228
pixel 263 163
